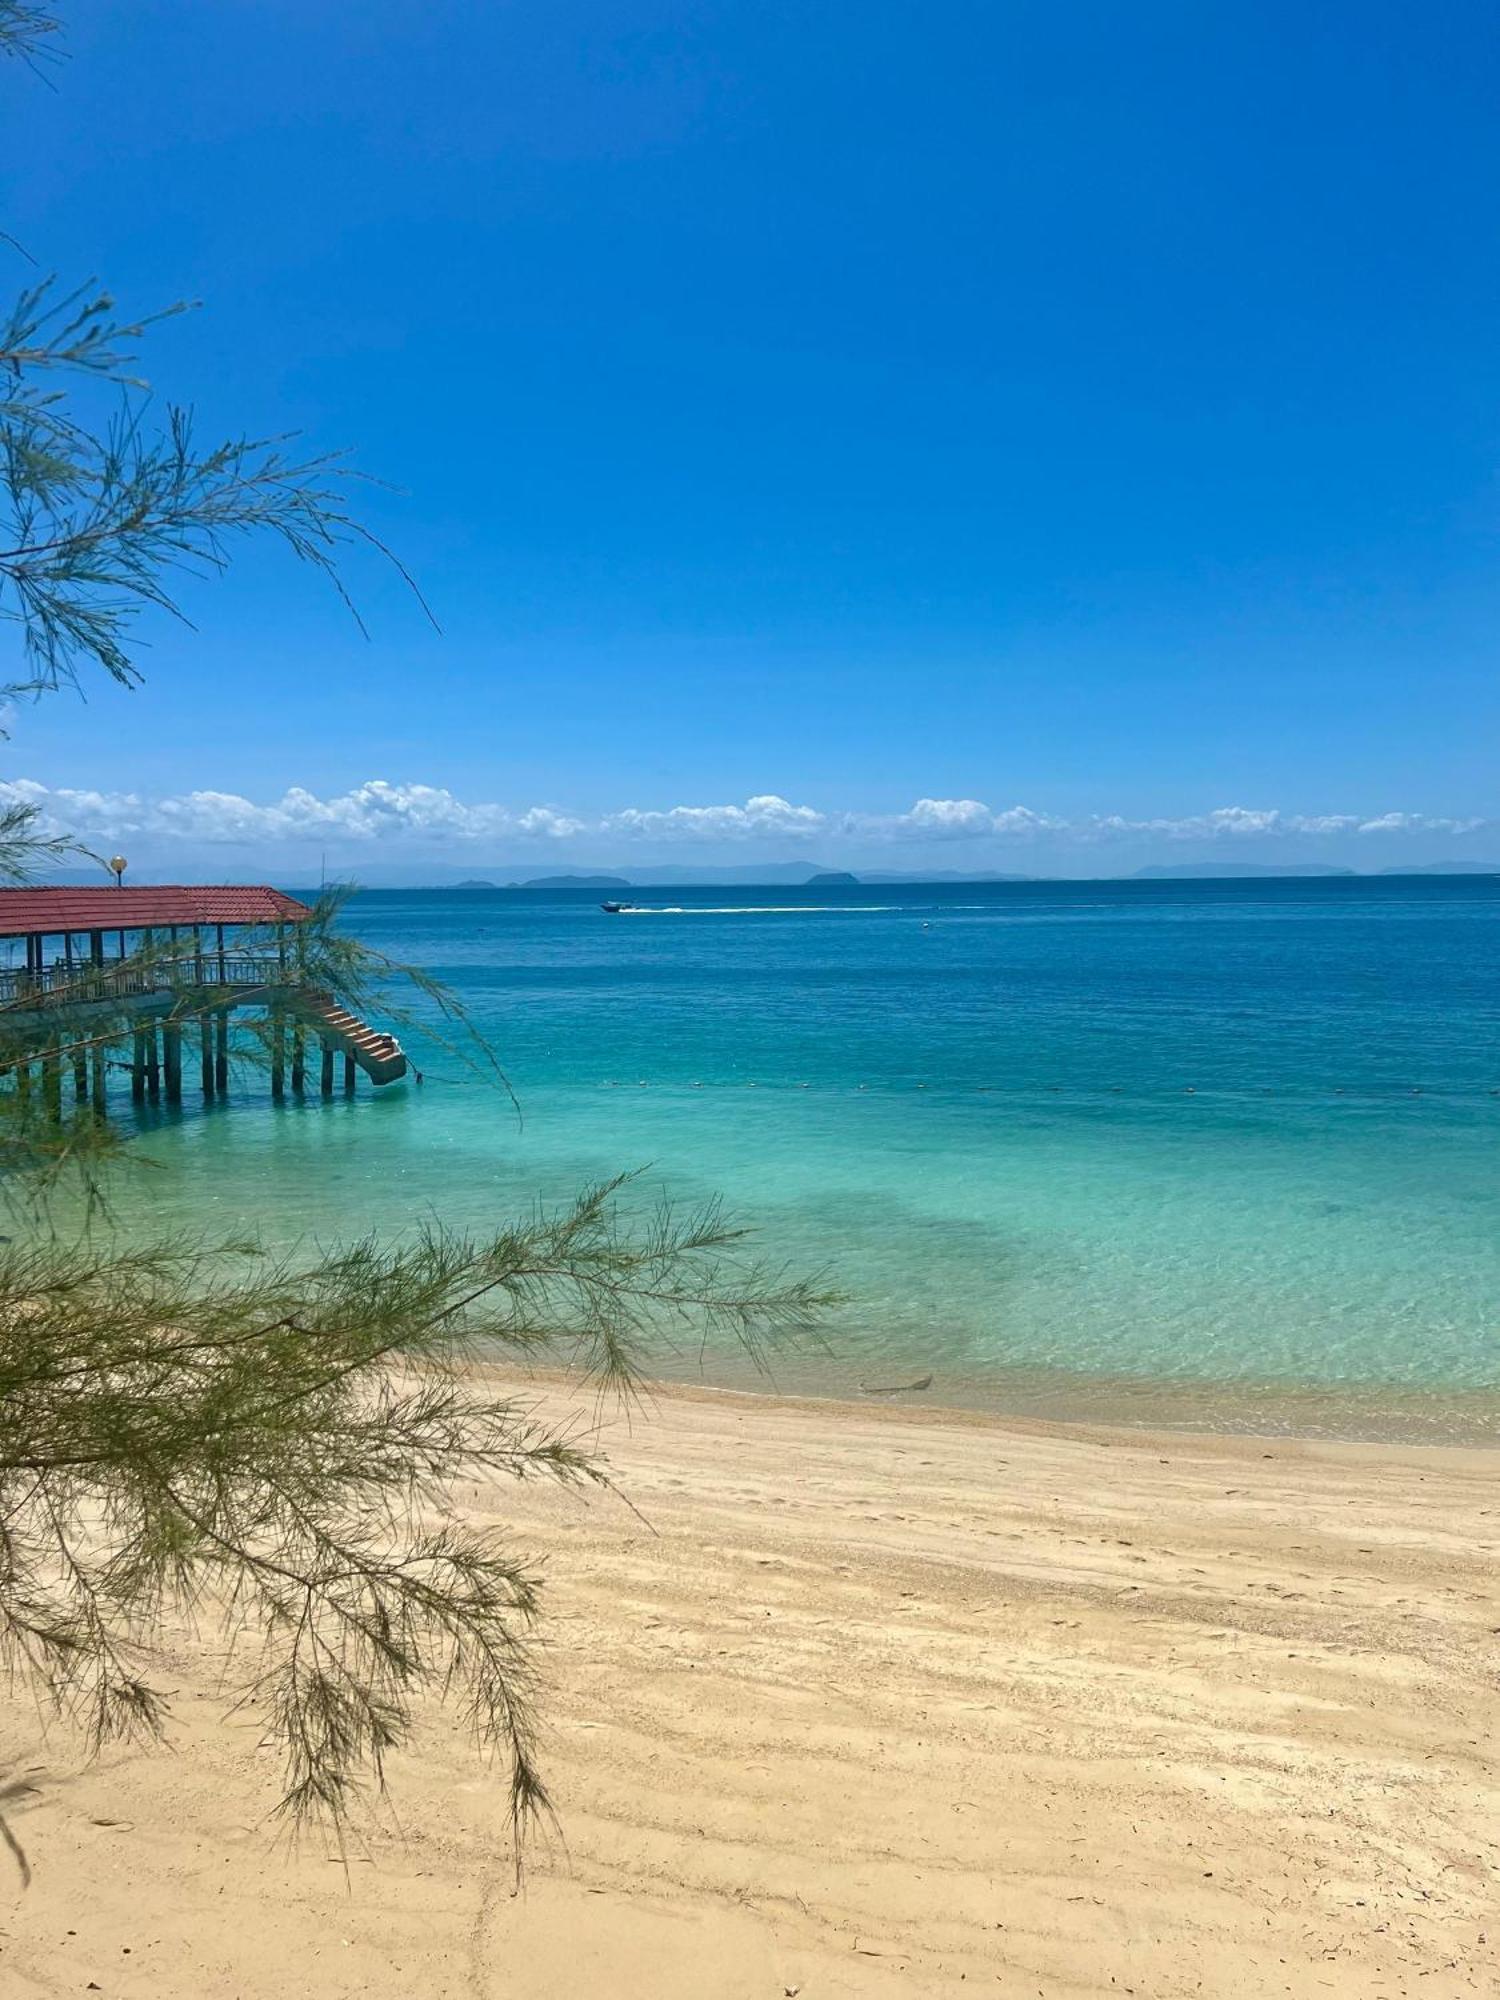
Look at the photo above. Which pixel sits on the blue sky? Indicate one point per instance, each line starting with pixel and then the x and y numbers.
pixel 1089 409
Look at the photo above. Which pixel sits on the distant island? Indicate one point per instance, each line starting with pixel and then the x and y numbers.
pixel 952 875
pixel 576 882
pixel 1208 871
pixel 791 875
pixel 1448 868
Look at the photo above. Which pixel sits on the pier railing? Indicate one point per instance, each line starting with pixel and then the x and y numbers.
pixel 81 983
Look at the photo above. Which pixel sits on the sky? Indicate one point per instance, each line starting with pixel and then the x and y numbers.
pixel 1041 437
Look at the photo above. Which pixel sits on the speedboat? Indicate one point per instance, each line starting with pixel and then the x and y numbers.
pixel 614 909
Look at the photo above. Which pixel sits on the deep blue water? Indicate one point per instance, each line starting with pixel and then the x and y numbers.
pixel 1215 1148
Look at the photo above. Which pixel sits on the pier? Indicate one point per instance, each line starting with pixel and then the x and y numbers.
pixel 198 955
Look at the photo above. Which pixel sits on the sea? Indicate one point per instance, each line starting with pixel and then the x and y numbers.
pixel 1215 1154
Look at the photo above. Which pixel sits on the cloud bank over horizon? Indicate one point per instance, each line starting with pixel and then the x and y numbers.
pixel 412 822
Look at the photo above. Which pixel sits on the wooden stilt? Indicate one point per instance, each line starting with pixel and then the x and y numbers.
pixel 153 1064
pixel 327 1078
pixel 349 1072
pixel 23 1084
pixel 299 1059
pixel 171 1041
pixel 138 1067
pixel 80 1075
pixel 278 1054
pixel 100 1071
pixel 221 1051
pixel 208 1057
pixel 52 1085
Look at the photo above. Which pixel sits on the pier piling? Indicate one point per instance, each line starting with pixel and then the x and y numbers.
pixel 171 1038
pixel 181 974
pixel 52 1085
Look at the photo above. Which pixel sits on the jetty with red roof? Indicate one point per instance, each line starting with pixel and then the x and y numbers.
pixel 178 957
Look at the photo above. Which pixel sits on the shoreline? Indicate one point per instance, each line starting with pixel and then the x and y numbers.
pixel 865 1702
pixel 1395 1418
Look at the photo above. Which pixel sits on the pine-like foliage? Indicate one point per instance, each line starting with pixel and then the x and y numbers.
pixel 28 33
pixel 193 1430
pixel 105 506
pixel 272 1448
pixel 99 518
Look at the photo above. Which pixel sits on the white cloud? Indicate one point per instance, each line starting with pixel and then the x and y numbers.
pixel 1397 822
pixel 1323 823
pixel 375 811
pixel 944 819
pixel 1023 821
pixel 416 817
pixel 767 814
pixel 1234 823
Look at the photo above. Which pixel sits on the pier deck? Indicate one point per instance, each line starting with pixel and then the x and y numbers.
pixel 183 974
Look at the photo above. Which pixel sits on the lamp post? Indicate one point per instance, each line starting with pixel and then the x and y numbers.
pixel 116 866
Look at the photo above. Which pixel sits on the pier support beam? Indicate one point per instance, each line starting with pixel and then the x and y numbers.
pixel 206 1073
pixel 299 1059
pixel 80 1075
pixel 221 1051
pixel 100 1067
pixel 349 1072
pixel 138 1067
pixel 278 1055
pixel 171 1039
pixel 153 1065
pixel 327 1077
pixel 52 1085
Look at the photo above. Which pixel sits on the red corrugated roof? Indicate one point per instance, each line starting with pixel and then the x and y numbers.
pixel 24 911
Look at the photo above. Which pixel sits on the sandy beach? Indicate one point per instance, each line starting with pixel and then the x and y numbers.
pixel 882 1702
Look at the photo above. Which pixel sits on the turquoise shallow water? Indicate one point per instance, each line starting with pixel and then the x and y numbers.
pixel 1218 1152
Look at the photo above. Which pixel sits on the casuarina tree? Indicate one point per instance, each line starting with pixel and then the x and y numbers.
pixel 197 1426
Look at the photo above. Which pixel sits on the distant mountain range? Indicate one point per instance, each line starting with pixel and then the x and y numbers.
pixel 789 874
pixel 792 875
pixel 1232 871
pixel 1449 868
pixel 575 882
pixel 797 874
pixel 1208 871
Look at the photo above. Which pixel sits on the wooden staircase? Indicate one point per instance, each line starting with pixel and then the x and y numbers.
pixel 381 1057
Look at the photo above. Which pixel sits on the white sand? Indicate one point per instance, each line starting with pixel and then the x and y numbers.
pixel 886 1705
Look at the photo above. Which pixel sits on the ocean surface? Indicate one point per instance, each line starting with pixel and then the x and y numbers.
pixel 1215 1153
